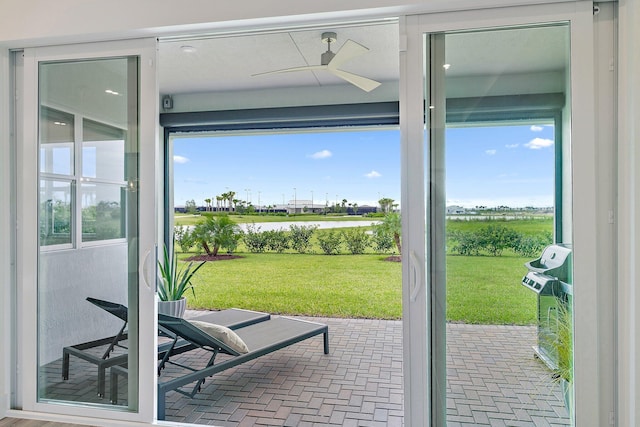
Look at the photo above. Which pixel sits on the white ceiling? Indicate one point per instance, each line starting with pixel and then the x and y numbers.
pixel 487 62
pixel 228 63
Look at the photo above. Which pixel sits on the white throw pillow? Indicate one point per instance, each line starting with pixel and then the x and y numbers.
pixel 223 334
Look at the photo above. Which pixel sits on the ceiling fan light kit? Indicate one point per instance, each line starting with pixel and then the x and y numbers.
pixel 330 61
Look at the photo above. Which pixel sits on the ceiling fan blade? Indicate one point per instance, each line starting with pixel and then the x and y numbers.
pixel 288 70
pixel 362 82
pixel 348 51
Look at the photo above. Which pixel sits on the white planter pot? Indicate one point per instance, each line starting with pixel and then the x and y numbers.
pixel 173 308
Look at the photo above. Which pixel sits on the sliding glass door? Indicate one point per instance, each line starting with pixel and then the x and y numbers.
pixel 87 260
pixel 502 156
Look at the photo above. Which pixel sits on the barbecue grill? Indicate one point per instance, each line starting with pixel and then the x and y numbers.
pixel 550 278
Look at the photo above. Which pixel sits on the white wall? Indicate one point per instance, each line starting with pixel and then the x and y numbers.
pixel 64 20
pixel 67 278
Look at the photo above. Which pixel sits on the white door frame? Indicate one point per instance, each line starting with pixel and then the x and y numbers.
pixel 27 228
pixel 592 405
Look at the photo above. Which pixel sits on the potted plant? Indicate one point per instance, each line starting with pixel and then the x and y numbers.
pixel 175 282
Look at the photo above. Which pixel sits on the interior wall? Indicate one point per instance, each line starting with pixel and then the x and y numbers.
pixel 65 317
pixel 65 20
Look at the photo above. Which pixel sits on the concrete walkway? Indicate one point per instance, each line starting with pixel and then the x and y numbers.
pixel 493 380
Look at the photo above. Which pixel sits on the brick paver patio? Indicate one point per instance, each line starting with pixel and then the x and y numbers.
pixel 492 378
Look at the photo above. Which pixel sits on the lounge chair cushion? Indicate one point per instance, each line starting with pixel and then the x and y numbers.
pixel 223 334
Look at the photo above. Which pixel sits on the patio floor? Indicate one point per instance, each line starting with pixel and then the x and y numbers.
pixel 493 379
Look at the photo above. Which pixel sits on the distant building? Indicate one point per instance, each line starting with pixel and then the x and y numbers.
pixel 455 210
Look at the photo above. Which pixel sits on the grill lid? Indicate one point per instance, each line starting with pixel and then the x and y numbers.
pixel 555 261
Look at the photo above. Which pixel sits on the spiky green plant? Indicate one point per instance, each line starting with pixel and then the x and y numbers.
pixel 176 279
pixel 563 344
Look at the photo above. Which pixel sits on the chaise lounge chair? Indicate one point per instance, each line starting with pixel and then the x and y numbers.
pixel 232 318
pixel 260 339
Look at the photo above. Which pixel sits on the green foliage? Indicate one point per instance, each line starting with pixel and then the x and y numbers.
pixel 530 246
pixel 466 243
pixel 185 238
pixel 217 232
pixel 356 240
pixel 496 238
pixel 382 240
pixel 391 226
pixel 300 237
pixel 254 240
pixel 329 241
pixel 277 240
pixel 562 343
pixel 176 279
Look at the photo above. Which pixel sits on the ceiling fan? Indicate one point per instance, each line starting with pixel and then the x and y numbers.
pixel 331 62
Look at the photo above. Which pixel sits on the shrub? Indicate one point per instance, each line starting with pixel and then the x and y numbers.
pixel 382 240
pixel 466 243
pixel 392 224
pixel 185 238
pixel 357 240
pixel 329 241
pixel 530 246
pixel 300 237
pixel 254 240
pixel 277 240
pixel 496 238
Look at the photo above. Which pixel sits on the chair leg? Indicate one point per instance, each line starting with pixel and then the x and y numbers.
pixel 65 364
pixel 326 342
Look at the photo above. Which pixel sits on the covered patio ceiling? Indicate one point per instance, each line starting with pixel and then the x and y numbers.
pixel 218 72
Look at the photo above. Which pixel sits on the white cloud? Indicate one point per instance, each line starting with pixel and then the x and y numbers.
pixel 539 143
pixel 512 145
pixel 324 154
pixel 180 159
pixel 373 174
pixel 536 128
pixel 491 152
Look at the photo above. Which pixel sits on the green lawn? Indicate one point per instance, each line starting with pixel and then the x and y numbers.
pixel 483 290
pixel 355 286
pixel 524 226
pixel 487 290
pixel 480 289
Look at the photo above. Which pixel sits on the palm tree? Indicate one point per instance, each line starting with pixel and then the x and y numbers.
pixel 218 200
pixel 386 204
pixel 218 232
pixel 208 202
pixel 230 196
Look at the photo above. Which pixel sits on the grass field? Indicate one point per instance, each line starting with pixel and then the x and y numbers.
pixel 480 289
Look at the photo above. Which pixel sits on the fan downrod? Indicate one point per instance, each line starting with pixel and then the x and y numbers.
pixel 328 38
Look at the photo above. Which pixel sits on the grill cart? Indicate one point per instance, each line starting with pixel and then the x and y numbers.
pixel 550 278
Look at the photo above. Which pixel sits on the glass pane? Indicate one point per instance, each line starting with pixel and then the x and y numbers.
pixel 500 166
pixel 78 338
pixel 102 211
pixel 102 151
pixel 56 142
pixel 55 212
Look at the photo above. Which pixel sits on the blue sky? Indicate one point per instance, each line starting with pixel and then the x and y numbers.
pixel 491 166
